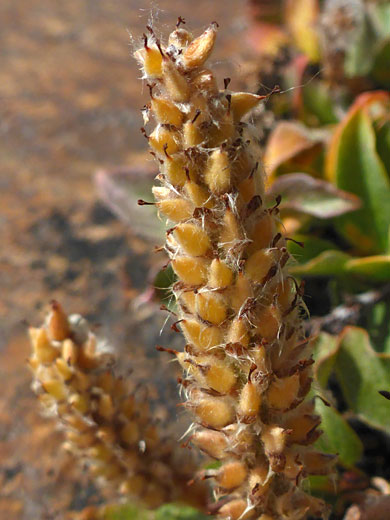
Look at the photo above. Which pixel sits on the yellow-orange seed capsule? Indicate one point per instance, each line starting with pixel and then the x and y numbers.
pixel 205 83
pixel 258 265
pixel 55 388
pixel 191 270
pixel 192 239
pixel 217 374
pixel 258 478
pixel 200 49
pixel 69 352
pixel 174 169
pixel 274 439
pixel 262 234
pixel 250 400
pixel 188 299
pixel 166 112
pixel 231 475
pixel 198 195
pixel 176 209
pixel 220 275
pixel 64 370
pixel 217 174
pixel 241 103
pixel 247 189
pixel 201 336
pixel 151 60
pixel 238 333
pixel 236 509
pixel 215 412
pixel 43 350
pixel 211 307
pixel 58 325
pixel 231 232
pixel 283 392
pixel 240 292
pixel 211 442
pixel 175 83
pixel 192 135
pixel 79 402
pixel 164 140
pixel 268 322
pixel 106 407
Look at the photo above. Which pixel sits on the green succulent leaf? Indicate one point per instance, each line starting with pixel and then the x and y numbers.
pixel 362 374
pixel 179 512
pixel 312 247
pixel 338 436
pixel 383 143
pixel 375 268
pixel 125 512
pixel 328 263
pixel 377 322
pixel 354 164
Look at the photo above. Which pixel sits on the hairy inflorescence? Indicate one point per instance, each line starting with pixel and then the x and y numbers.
pixel 246 360
pixel 106 426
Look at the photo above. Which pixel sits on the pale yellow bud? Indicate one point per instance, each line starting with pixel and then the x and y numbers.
pixel 232 475
pixel 214 412
pixel 166 112
pixel 200 49
pixel 283 392
pixel 217 175
pixel 191 270
pixel 211 307
pixel 192 239
pixel 220 275
pixel 250 400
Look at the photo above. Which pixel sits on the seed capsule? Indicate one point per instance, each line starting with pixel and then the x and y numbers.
pixel 191 270
pixel 214 412
pixel 192 239
pixel 231 475
pixel 200 49
pixel 250 400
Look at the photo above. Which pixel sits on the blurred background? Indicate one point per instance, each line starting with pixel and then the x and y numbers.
pixel 69 106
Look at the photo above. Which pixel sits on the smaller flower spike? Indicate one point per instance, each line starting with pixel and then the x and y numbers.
pixel 247 364
pixel 105 426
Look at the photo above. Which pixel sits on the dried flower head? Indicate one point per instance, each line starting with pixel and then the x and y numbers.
pixel 246 359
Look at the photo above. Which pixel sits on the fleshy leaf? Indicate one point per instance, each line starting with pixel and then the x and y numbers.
pixel 328 263
pixel 383 144
pixel 377 322
pixel 315 197
pixel 290 140
pixel 376 268
pixel 338 436
pixel 362 374
pixel 354 165
pixel 124 512
pixel 121 188
pixel 179 512
pixel 312 247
